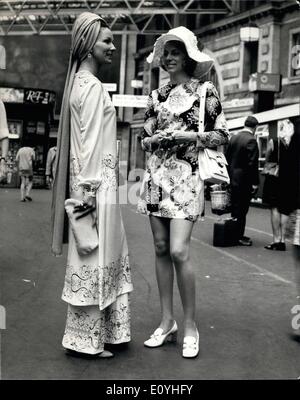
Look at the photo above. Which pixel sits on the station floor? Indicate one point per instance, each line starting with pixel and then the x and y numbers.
pixel 244 301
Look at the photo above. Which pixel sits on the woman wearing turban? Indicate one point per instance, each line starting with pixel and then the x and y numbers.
pixel 97 284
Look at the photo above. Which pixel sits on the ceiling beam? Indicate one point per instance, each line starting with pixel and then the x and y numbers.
pixel 115 11
pixel 45 16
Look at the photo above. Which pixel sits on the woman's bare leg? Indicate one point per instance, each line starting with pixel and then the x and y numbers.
pixel 23 187
pixel 164 269
pixel 283 223
pixel 275 222
pixel 180 237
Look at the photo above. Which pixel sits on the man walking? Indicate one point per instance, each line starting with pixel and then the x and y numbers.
pixel 25 158
pixel 242 158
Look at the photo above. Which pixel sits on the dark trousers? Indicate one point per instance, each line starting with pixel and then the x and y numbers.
pixel 240 202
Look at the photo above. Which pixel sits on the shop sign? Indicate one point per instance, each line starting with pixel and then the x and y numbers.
pixel 38 96
pixel 265 82
pixel 127 100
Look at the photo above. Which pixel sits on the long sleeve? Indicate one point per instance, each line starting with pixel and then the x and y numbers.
pixel 91 123
pixel 150 124
pixel 252 152
pixel 216 131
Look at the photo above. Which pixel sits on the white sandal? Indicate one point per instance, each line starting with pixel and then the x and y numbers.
pixel 158 338
pixel 190 346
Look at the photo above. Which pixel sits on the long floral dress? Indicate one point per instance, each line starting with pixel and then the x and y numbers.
pixel 97 285
pixel 171 186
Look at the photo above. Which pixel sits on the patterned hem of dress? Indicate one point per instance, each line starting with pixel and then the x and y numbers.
pixel 67 300
pixel 74 348
pixel 98 351
pixel 159 215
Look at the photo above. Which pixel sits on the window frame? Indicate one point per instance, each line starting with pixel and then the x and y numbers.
pixel 290 77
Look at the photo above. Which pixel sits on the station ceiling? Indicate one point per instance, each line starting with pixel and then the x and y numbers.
pixel 38 17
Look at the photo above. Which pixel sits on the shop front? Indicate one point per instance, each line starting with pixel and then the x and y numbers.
pixel 29 116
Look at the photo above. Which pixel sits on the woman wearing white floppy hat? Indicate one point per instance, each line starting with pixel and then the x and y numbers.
pixel 172 192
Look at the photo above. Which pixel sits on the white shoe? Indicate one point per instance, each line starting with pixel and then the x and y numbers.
pixel 190 346
pixel 105 354
pixel 158 338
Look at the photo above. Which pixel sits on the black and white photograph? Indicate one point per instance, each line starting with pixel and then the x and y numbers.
pixel 149 193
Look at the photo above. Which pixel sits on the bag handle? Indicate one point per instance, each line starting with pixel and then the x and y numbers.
pixel 203 91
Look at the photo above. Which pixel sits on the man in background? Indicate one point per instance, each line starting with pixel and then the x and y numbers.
pixel 242 158
pixel 25 158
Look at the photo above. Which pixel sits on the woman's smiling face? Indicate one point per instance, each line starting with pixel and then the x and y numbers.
pixel 173 57
pixel 104 47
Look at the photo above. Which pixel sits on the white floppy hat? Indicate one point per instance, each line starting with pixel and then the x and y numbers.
pixel 188 38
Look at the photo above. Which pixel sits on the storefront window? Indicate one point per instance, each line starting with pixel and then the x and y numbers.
pixel 250 59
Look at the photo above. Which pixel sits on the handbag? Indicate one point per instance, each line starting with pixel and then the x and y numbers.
pixel 84 228
pixel 212 163
pixel 272 168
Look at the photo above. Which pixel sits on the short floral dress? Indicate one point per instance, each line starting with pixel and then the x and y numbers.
pixel 171 187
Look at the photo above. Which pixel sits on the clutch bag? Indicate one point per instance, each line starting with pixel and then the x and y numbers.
pixel 84 228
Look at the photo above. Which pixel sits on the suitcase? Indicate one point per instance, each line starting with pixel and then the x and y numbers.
pixel 225 233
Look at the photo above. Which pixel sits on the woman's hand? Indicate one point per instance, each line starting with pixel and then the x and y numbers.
pixel 84 209
pixel 159 139
pixel 181 137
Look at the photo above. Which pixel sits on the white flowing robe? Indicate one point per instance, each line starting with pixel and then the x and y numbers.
pixel 101 278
